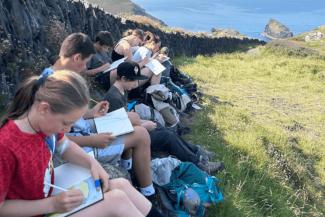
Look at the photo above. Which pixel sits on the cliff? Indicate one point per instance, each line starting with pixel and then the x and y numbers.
pixel 124 8
pixel 31 32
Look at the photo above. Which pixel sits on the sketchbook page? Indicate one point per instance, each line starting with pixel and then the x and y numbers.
pixel 115 64
pixel 155 66
pixel 116 122
pixel 164 59
pixel 71 176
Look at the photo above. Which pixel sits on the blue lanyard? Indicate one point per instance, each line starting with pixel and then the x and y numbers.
pixel 50 141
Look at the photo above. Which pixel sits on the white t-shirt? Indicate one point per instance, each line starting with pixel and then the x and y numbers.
pixel 141 53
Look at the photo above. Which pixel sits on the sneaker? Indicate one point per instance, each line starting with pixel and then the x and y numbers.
pixel 211 167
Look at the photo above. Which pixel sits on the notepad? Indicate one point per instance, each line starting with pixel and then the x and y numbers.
pixel 70 176
pixel 116 122
pixel 155 66
pixel 115 64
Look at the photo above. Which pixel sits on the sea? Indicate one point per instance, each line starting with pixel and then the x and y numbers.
pixel 249 17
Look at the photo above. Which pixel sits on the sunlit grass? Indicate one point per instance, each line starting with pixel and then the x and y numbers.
pixel 264 114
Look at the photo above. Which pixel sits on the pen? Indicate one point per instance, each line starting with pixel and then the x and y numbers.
pixel 97 184
pixel 55 186
pixel 94 101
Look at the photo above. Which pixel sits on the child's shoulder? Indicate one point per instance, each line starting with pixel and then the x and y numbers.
pixel 8 129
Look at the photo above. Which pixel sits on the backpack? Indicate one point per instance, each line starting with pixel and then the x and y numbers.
pixel 180 98
pixel 189 191
pixel 148 113
pixel 160 97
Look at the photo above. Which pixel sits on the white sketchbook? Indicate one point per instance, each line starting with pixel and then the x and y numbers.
pixel 71 176
pixel 116 122
pixel 155 66
pixel 115 64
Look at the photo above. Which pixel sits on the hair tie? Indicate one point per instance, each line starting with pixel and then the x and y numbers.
pixel 41 79
pixel 44 75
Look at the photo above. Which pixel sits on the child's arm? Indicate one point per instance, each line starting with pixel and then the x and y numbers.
pixel 99 109
pixel 63 202
pixel 149 125
pixel 98 140
pixel 94 71
pixel 74 154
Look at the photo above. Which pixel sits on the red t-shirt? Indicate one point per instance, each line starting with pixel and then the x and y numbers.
pixel 24 162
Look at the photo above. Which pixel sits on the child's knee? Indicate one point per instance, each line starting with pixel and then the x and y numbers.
pixel 134 118
pixel 120 183
pixel 142 134
pixel 115 202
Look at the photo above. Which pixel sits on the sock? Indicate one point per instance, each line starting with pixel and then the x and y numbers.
pixel 154 213
pixel 126 164
pixel 147 191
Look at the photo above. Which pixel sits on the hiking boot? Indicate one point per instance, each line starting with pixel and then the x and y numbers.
pixel 211 167
pixel 204 152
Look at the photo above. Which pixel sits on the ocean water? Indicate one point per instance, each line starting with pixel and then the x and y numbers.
pixel 249 17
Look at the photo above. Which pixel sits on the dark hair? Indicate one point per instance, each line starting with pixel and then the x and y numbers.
pixel 150 37
pixel 104 38
pixel 77 43
pixel 127 32
pixel 63 90
pixel 136 32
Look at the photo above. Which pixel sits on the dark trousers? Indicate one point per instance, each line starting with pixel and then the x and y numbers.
pixel 166 140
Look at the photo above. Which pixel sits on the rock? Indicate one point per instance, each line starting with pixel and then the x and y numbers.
pixel 228 33
pixel 276 30
pixel 314 36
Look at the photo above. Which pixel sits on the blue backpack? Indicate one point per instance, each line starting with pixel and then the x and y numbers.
pixel 188 191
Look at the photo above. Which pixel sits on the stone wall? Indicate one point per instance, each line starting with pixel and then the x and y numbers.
pixel 31 32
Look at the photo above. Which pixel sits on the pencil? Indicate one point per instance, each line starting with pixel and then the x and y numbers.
pixel 55 186
pixel 94 101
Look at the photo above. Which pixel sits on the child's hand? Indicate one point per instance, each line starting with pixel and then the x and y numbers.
pixel 104 67
pixel 161 58
pixel 149 125
pixel 67 201
pixel 145 61
pixel 103 139
pixel 100 109
pixel 98 173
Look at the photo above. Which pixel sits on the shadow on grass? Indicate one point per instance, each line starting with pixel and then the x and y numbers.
pixel 248 190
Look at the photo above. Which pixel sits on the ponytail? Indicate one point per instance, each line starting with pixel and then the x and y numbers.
pixel 23 100
pixel 62 90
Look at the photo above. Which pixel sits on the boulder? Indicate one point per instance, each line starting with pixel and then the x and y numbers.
pixel 276 30
pixel 314 36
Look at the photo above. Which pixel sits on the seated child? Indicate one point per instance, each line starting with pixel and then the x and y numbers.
pixel 44 108
pixel 75 52
pixel 162 139
pixel 110 149
pixel 100 61
pixel 148 50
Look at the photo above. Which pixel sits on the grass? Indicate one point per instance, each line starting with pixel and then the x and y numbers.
pixel 264 115
pixel 319 45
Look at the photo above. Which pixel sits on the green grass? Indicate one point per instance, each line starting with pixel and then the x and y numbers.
pixel 264 115
pixel 319 45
